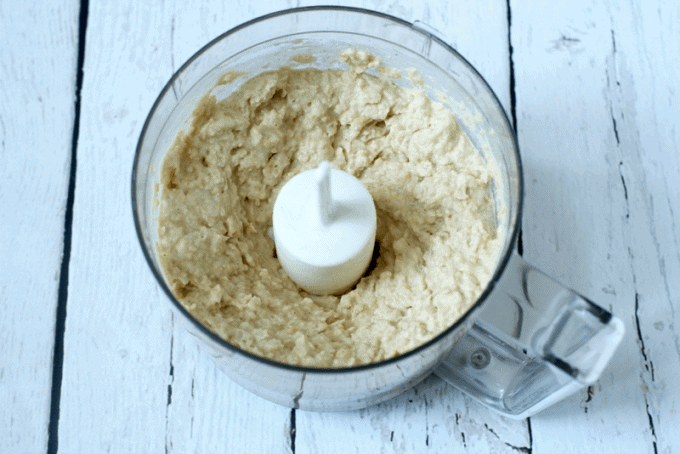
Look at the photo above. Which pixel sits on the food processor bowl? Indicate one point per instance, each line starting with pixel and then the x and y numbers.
pixel 315 36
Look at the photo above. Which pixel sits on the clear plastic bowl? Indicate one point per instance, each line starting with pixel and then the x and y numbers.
pixel 268 43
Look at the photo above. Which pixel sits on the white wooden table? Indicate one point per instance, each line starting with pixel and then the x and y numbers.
pixel 91 359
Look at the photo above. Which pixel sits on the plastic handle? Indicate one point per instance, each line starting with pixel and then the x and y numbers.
pixel 534 343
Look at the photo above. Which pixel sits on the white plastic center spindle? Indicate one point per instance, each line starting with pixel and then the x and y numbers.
pixel 324 229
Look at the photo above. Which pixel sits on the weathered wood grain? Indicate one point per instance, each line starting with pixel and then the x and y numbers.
pixel 118 330
pixel 37 92
pixel 209 413
pixel 432 416
pixel 598 130
pixel 129 375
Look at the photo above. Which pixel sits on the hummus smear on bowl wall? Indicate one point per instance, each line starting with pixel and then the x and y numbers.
pixel 436 241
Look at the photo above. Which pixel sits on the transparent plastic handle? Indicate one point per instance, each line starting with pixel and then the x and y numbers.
pixel 535 343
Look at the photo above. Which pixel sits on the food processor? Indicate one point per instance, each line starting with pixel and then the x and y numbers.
pixel 526 343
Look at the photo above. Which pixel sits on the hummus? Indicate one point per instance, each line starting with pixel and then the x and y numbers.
pixel 436 240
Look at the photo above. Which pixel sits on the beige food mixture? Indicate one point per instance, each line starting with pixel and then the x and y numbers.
pixel 436 240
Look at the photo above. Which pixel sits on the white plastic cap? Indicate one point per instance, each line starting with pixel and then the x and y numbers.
pixel 324 229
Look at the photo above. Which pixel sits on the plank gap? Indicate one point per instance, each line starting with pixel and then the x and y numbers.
pixel 62 295
pixel 513 99
pixel 292 430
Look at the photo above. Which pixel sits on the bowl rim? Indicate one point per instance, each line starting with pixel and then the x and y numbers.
pixel 474 309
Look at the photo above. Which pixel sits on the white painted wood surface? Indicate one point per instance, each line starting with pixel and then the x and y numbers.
pixel 37 92
pixel 598 118
pixel 596 90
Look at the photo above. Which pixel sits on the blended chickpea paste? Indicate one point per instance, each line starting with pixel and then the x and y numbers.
pixel 436 241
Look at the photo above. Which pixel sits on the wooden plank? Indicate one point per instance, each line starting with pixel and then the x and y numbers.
pixel 133 379
pixel 433 415
pixel 37 93
pixel 118 328
pixel 598 129
pixel 209 412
